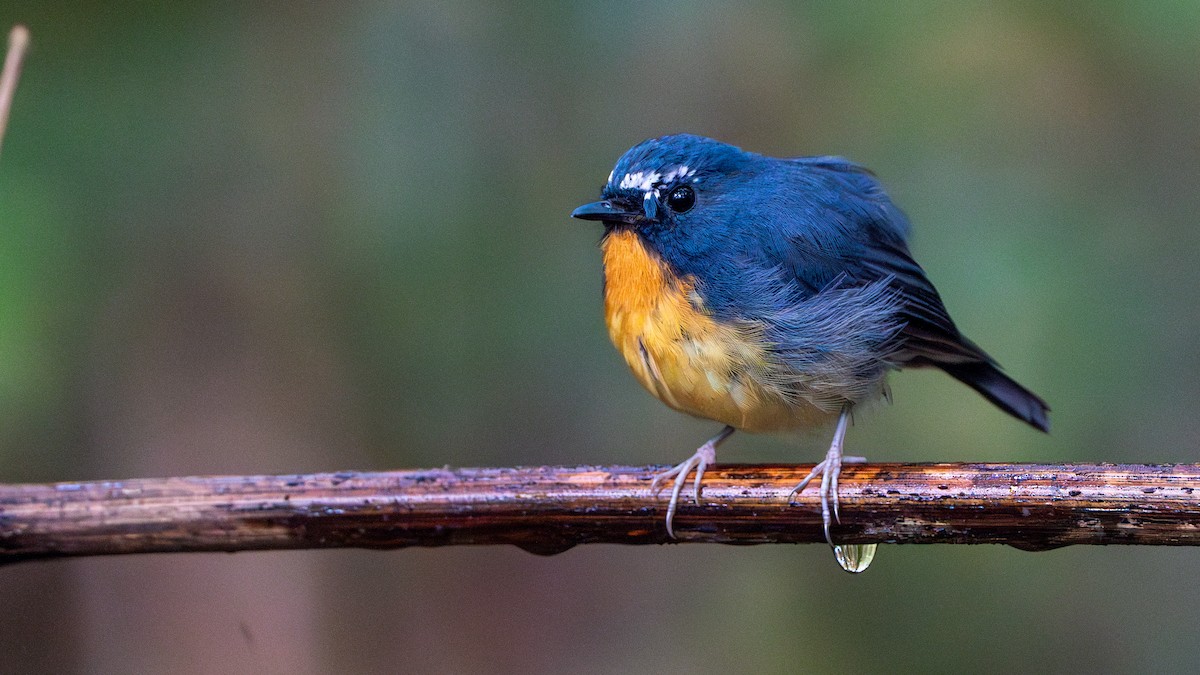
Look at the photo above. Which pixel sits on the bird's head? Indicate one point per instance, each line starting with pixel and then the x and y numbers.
pixel 674 191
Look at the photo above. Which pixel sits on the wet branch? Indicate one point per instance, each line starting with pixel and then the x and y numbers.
pixel 18 42
pixel 550 509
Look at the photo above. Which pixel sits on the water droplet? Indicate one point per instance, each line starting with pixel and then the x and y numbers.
pixel 854 558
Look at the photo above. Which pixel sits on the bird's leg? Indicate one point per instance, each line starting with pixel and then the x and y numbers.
pixel 700 460
pixel 829 470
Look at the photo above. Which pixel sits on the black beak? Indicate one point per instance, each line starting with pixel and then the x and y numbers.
pixel 608 212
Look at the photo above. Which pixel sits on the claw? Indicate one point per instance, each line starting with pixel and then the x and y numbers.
pixel 828 483
pixel 700 467
pixel 837 472
pixel 704 456
pixel 816 471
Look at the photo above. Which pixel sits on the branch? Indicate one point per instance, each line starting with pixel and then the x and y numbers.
pixel 550 509
pixel 18 42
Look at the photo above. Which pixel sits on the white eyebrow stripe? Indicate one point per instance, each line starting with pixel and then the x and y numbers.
pixel 640 180
pixel 647 180
pixel 682 171
pixel 644 181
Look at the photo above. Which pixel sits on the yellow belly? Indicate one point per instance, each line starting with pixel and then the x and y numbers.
pixel 681 355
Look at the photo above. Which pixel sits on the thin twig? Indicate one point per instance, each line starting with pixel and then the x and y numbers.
pixel 550 509
pixel 18 42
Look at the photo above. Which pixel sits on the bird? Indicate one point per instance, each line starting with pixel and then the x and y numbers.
pixel 771 294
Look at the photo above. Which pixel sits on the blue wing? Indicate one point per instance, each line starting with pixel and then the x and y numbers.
pixel 842 229
pixel 850 233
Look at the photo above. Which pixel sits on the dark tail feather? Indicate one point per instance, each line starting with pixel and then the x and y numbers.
pixel 1002 390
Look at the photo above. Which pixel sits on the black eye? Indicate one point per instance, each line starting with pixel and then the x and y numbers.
pixel 681 199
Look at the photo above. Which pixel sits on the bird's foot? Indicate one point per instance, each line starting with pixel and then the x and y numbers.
pixel 829 470
pixel 704 456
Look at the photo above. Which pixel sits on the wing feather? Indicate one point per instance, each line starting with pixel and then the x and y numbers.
pixel 852 234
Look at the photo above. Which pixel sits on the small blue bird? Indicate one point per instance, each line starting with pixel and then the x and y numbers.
pixel 771 294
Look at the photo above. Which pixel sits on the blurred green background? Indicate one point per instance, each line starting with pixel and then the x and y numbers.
pixel 283 237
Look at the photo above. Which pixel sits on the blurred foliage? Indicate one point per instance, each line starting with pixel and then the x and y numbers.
pixel 286 237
